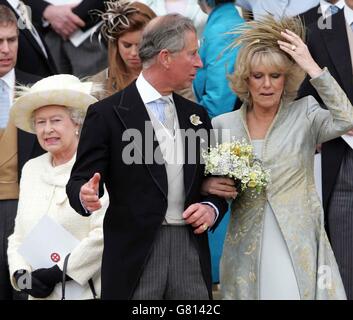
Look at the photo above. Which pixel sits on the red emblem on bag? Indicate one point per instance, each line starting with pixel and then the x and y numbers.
pixel 55 257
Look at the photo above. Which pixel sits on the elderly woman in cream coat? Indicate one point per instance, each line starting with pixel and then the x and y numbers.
pixel 54 109
pixel 276 246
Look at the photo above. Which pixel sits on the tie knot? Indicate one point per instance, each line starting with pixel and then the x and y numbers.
pixel 334 9
pixel 165 99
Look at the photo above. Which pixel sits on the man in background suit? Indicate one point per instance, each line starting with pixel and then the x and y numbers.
pixel 33 54
pixel 16 146
pixel 155 239
pixel 333 48
pixel 322 11
pixel 59 23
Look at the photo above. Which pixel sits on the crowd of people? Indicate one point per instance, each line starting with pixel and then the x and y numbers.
pixel 106 110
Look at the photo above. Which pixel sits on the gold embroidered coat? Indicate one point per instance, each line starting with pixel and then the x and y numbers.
pixel 288 151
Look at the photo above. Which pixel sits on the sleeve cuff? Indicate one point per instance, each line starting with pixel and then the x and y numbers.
pixel 214 207
pixel 87 213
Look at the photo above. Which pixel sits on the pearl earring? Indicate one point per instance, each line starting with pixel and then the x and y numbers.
pixel 76 132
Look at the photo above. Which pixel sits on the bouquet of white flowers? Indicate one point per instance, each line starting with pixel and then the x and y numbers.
pixel 237 160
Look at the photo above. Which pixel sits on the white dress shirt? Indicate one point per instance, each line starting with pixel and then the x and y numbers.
pixel 278 8
pixel 348 14
pixel 325 7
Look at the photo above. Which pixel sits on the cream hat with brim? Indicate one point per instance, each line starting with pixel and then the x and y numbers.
pixel 63 90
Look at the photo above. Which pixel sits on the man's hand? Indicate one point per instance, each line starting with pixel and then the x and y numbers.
pixel 200 216
pixel 89 194
pixel 63 21
pixel 222 187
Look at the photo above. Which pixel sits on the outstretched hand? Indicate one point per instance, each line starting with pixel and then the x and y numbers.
pixel 299 51
pixel 89 194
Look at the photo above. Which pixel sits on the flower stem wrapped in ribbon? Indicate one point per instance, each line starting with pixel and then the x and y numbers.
pixel 237 160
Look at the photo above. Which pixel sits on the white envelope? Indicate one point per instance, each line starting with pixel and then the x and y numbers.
pixel 79 36
pixel 47 244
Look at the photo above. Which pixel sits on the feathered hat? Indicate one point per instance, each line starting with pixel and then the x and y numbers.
pixel 266 31
pixel 115 18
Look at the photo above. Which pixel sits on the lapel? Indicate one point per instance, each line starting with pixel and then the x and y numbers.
pixel 31 39
pixel 132 112
pixel 190 167
pixel 339 52
pixel 33 42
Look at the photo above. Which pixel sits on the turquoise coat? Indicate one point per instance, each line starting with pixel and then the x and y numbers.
pixel 211 86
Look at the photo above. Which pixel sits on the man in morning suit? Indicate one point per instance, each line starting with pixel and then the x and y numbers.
pixel 16 145
pixel 155 239
pixel 333 48
pixel 60 22
pixel 322 11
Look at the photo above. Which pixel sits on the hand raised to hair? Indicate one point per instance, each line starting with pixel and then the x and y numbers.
pixel 299 51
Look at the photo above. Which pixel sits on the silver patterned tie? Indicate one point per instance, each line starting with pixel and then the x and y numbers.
pixel 334 9
pixel 168 114
pixel 4 104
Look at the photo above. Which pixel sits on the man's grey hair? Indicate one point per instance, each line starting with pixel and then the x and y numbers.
pixel 165 32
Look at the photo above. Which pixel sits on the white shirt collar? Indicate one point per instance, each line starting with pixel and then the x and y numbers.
pixel 325 7
pixel 348 14
pixel 147 92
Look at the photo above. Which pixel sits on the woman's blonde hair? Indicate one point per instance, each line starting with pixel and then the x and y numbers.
pixel 258 41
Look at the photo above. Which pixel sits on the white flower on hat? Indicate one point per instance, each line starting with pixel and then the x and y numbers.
pixel 195 120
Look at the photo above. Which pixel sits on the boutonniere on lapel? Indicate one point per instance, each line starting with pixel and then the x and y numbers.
pixel 195 120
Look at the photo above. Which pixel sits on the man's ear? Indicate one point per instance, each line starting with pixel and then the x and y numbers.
pixel 164 58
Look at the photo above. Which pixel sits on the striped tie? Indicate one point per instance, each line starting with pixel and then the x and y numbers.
pixel 4 104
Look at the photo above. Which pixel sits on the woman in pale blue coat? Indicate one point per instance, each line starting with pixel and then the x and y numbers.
pixel 276 246
pixel 211 86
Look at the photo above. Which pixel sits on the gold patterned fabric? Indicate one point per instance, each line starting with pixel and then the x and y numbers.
pixel 288 151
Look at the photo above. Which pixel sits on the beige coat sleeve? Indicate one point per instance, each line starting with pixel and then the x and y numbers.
pixel 338 119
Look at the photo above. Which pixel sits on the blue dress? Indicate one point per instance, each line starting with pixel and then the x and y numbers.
pixel 212 90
